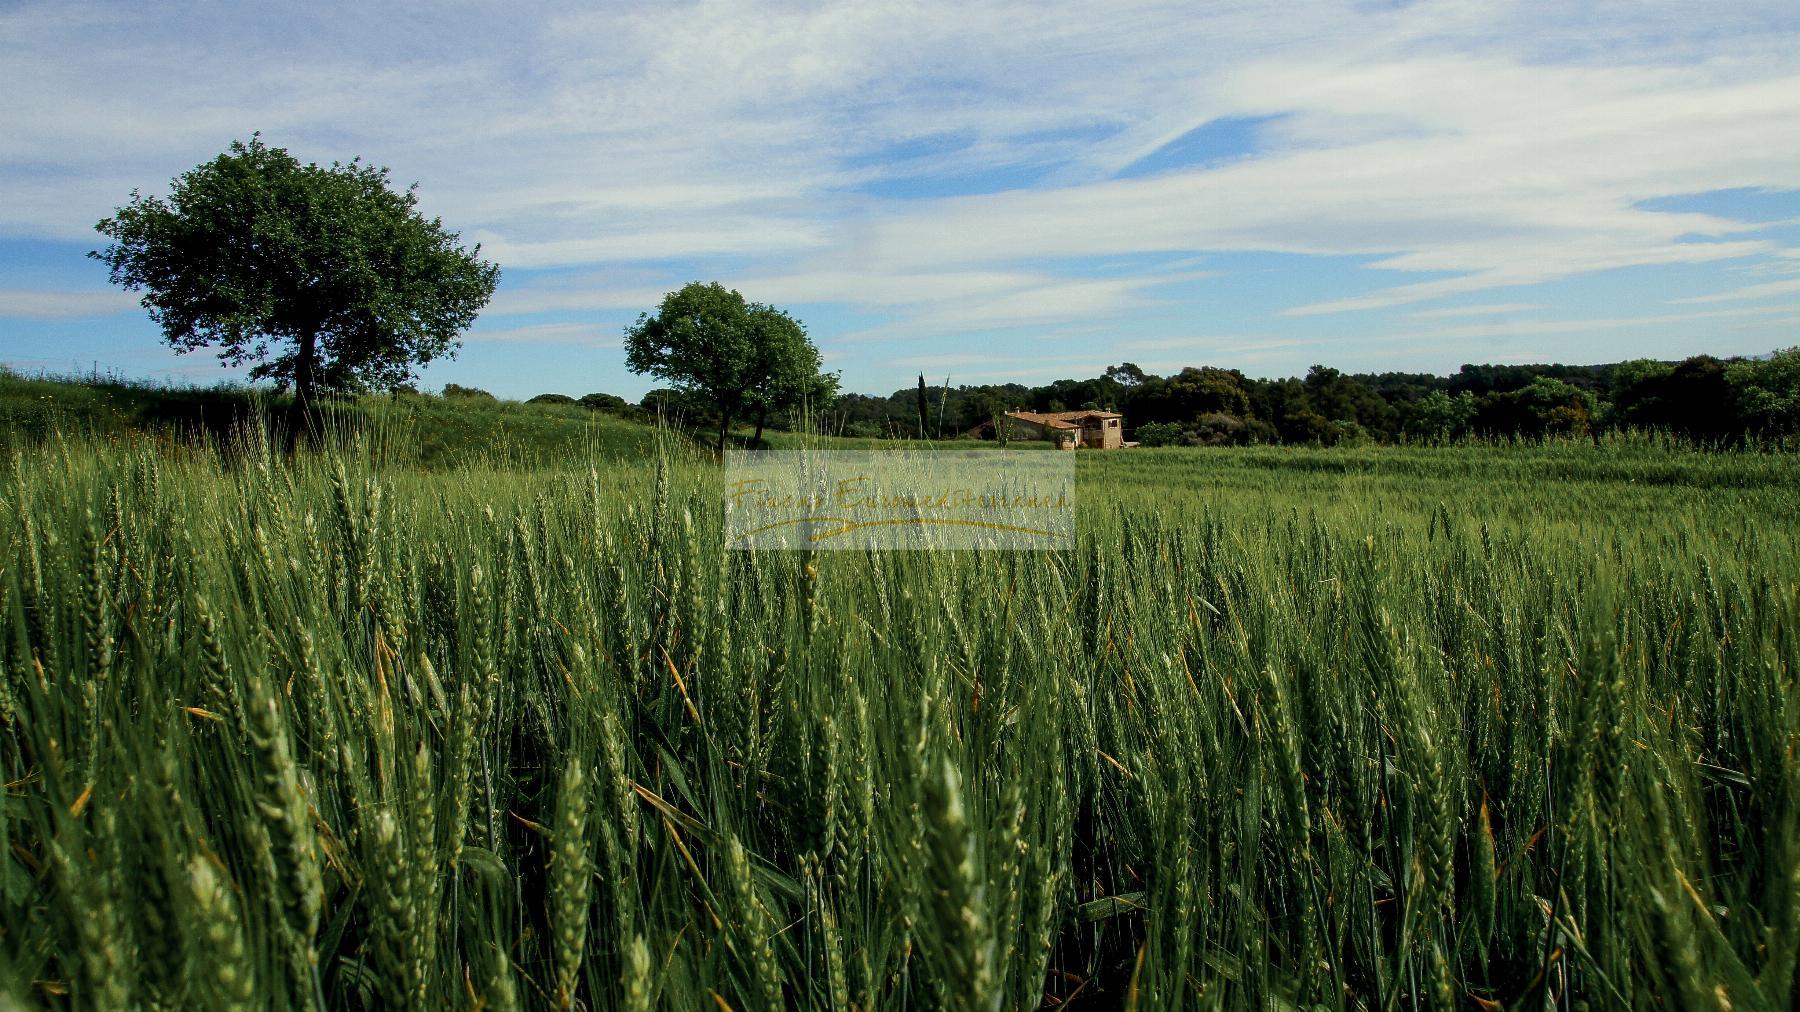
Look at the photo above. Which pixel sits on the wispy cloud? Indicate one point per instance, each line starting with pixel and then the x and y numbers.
pixel 806 153
pixel 42 304
pixel 564 295
pixel 1763 291
pixel 939 363
pixel 584 334
pixel 1031 301
pixel 1214 343
pixel 1517 328
pixel 1493 309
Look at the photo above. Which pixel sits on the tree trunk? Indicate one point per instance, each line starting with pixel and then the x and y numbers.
pixel 304 367
pixel 724 428
pixel 305 373
pixel 762 415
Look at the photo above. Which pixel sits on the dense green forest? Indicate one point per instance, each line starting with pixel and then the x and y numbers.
pixel 1704 398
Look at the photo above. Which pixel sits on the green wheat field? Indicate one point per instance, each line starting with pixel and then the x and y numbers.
pixel 1375 729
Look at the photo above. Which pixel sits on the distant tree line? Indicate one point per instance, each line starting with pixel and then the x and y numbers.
pixel 1702 398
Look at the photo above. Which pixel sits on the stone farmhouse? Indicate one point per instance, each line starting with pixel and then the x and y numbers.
pixel 1070 430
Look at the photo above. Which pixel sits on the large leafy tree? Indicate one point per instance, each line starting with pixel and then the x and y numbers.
pixel 324 276
pixel 745 359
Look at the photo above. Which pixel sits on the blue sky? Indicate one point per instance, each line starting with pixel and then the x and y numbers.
pixel 978 191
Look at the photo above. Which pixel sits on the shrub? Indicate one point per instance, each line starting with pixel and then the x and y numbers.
pixel 611 403
pixel 1215 428
pixel 1159 434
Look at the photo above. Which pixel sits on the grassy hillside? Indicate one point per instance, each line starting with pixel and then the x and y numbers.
pixel 421 430
pixel 418 429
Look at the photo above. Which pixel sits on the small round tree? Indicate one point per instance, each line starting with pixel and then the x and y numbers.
pixel 745 359
pixel 324 276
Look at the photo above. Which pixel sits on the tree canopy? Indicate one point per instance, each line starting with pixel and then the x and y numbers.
pixel 325 277
pixel 1767 392
pixel 744 359
pixel 790 369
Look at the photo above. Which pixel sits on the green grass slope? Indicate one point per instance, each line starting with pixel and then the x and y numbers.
pixel 421 430
pixel 417 429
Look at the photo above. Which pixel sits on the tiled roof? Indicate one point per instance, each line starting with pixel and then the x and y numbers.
pixel 1061 419
pixel 1049 420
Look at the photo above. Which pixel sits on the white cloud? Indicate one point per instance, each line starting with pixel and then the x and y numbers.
pixel 1506 175
pixel 1492 309
pixel 1761 291
pixel 1000 369
pixel 721 237
pixel 42 304
pixel 1456 147
pixel 584 334
pixel 1233 345
pixel 571 295
pixel 939 363
pixel 986 302
pixel 1516 328
pixel 1779 321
